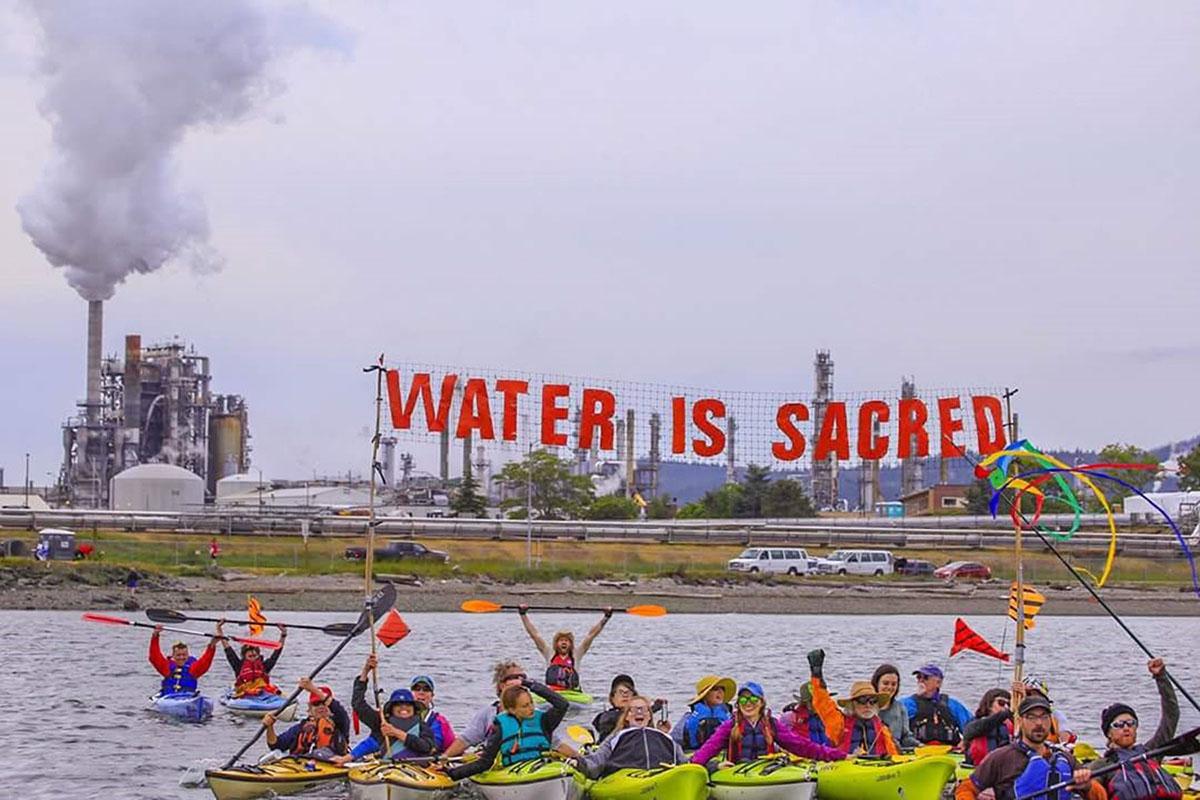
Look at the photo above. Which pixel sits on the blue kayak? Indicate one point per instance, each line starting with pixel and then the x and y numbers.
pixel 254 705
pixel 183 706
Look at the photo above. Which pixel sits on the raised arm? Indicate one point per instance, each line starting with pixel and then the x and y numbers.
pixel 157 659
pixel 201 664
pixel 538 642
pixel 558 705
pixel 591 636
pixel 1169 703
pixel 269 664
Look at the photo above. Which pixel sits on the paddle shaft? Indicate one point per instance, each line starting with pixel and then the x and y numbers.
pixel 1146 756
pixel 172 629
pixel 562 608
pixel 245 622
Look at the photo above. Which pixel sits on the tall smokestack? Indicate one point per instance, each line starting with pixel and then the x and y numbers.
pixel 95 331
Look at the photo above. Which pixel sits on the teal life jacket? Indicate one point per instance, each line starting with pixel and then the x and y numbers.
pixel 521 739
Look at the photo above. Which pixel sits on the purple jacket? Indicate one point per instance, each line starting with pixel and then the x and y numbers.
pixel 786 738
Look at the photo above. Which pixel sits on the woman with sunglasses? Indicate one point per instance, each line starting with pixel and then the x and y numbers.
pixel 753 733
pixel 504 675
pixel 992 727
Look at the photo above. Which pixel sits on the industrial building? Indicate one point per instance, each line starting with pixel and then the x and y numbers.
pixel 155 407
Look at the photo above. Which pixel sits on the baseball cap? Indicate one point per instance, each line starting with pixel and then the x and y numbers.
pixel 425 679
pixel 930 671
pixel 1032 702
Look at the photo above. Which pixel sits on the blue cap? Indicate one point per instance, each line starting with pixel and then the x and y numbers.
pixel 402 696
pixel 425 679
pixel 930 671
pixel 753 688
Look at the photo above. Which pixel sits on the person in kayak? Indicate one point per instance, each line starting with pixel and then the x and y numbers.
pixel 636 744
pixel 935 718
pixel 562 659
pixel 886 680
pixel 1140 779
pixel 422 687
pixel 853 722
pixel 401 726
pixel 182 672
pixel 324 733
pixel 505 674
pixel 707 709
pixel 520 732
pixel 620 693
pixel 421 699
pixel 1030 763
pixel 251 672
pixel 992 727
pixel 1060 729
pixel 803 718
pixel 752 733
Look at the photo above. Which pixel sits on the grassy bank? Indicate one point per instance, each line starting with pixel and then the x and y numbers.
pixel 179 554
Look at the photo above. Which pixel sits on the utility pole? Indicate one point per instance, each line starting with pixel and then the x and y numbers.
pixel 27 480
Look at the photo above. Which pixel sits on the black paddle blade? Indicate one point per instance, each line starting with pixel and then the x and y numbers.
pixel 379 604
pixel 1185 744
pixel 165 615
pixel 339 629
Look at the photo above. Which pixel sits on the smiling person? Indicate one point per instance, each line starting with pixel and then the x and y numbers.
pixel 323 734
pixel 1030 763
pixel 520 732
pixel 707 709
pixel 853 722
pixel 886 681
pixel 422 688
pixel 1140 779
pixel 401 724
pixel 562 658
pixel 935 718
pixel 252 673
pixel 752 733
pixel 992 727
pixel 636 744
pixel 505 674
pixel 181 673
pixel 619 695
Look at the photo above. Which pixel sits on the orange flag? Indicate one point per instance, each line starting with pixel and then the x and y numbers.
pixel 967 639
pixel 254 609
pixel 392 630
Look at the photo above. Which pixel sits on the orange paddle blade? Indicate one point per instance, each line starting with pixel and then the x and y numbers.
pixel 646 611
pixel 480 606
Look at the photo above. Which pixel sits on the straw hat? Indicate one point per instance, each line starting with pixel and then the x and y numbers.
pixel 860 689
pixel 709 682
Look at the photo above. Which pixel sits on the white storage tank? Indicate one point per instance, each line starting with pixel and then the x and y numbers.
pixel 157 487
pixel 242 484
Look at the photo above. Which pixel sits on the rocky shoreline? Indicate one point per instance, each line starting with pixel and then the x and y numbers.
pixel 33 587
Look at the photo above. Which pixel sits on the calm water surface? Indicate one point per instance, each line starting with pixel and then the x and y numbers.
pixel 79 724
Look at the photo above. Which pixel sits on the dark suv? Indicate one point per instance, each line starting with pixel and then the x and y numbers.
pixel 398 549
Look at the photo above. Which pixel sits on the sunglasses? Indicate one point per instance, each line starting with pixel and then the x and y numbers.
pixel 865 701
pixel 748 700
pixel 518 676
pixel 1002 703
pixel 420 687
pixel 1125 723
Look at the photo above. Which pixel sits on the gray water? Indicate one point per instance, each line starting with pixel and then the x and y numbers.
pixel 78 723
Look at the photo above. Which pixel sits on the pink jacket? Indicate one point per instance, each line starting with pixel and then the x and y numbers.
pixel 786 738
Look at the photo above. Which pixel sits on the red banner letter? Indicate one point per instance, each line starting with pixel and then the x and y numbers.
pixel 598 408
pixel 476 411
pixel 949 425
pixel 402 409
pixel 870 412
pixel 510 390
pixel 990 431
pixel 785 419
pixel 702 414
pixel 834 436
pixel 678 424
pixel 552 413
pixel 913 415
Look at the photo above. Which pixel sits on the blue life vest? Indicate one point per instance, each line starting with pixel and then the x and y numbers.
pixel 398 748
pixel 1143 779
pixel 701 723
pixel 521 739
pixel 1042 774
pixel 180 680
pixel 753 743
pixel 809 725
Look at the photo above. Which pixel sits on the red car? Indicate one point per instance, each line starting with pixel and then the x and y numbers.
pixel 964 569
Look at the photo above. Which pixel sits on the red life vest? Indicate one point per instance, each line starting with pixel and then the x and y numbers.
pixel 252 678
pixel 876 746
pixel 561 674
pixel 753 741
pixel 315 734
pixel 1140 779
pixel 980 746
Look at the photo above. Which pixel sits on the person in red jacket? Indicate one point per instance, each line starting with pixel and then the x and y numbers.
pixel 180 673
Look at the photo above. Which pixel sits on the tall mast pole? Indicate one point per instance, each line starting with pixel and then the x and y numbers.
pixel 369 558
pixel 1019 649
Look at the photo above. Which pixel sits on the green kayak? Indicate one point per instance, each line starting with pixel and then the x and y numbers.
pixel 913 778
pixel 682 782
pixel 777 777
pixel 576 698
pixel 540 779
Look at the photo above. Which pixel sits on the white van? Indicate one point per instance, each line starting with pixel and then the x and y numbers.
pixel 857 562
pixel 792 560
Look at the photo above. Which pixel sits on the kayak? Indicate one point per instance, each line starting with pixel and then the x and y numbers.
pixel 576 698
pixel 387 780
pixel 778 777
pixel 913 778
pixel 285 776
pixel 538 779
pixel 682 782
pixel 256 705
pixel 183 706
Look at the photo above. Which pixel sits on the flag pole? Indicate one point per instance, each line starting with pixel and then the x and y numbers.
pixel 1019 644
pixel 369 557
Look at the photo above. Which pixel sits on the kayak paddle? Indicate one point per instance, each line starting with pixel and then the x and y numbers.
pixel 265 644
pixel 167 615
pixel 1182 745
pixel 580 735
pixel 375 607
pixel 487 607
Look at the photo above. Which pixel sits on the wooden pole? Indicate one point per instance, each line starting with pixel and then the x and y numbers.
pixel 1019 648
pixel 369 558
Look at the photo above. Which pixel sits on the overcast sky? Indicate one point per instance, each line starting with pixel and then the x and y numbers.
pixel 687 192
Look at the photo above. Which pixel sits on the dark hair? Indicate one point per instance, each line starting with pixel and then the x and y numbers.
pixel 989 697
pixel 884 669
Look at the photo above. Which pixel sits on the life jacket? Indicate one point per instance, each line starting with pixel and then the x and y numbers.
pixel 1139 778
pixel 561 674
pixel 399 749
pixel 808 724
pixel 753 742
pixel 521 739
pixel 1042 774
pixel 702 722
pixel 315 734
pixel 180 679
pixel 980 746
pixel 870 729
pixel 441 730
pixel 934 723
pixel 253 679
pixel 639 748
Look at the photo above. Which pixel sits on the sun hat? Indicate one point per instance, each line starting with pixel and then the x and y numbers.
pixel 710 682
pixel 860 689
pixel 401 696
pixel 930 671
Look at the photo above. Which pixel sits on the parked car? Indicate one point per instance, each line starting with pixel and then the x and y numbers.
pixel 857 562
pixel 790 560
pixel 964 569
pixel 914 566
pixel 398 548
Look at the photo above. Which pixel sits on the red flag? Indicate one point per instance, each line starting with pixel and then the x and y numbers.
pixel 392 630
pixel 255 612
pixel 967 639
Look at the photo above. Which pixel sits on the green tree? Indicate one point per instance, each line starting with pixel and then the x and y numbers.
pixel 557 494
pixel 613 506
pixel 467 501
pixel 1122 454
pixel 723 502
pixel 787 498
pixel 660 508
pixel 755 485
pixel 1189 470
pixel 694 510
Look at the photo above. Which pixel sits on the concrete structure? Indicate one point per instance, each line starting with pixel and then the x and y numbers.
pixel 824 471
pixel 31 501
pixel 157 487
pixel 334 498
pixel 234 485
pixel 942 498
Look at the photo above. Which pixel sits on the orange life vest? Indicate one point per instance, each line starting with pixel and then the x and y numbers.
pixel 315 734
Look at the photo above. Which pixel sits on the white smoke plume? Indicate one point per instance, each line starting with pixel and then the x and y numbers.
pixel 126 80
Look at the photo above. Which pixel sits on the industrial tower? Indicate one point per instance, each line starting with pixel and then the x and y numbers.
pixel 825 471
